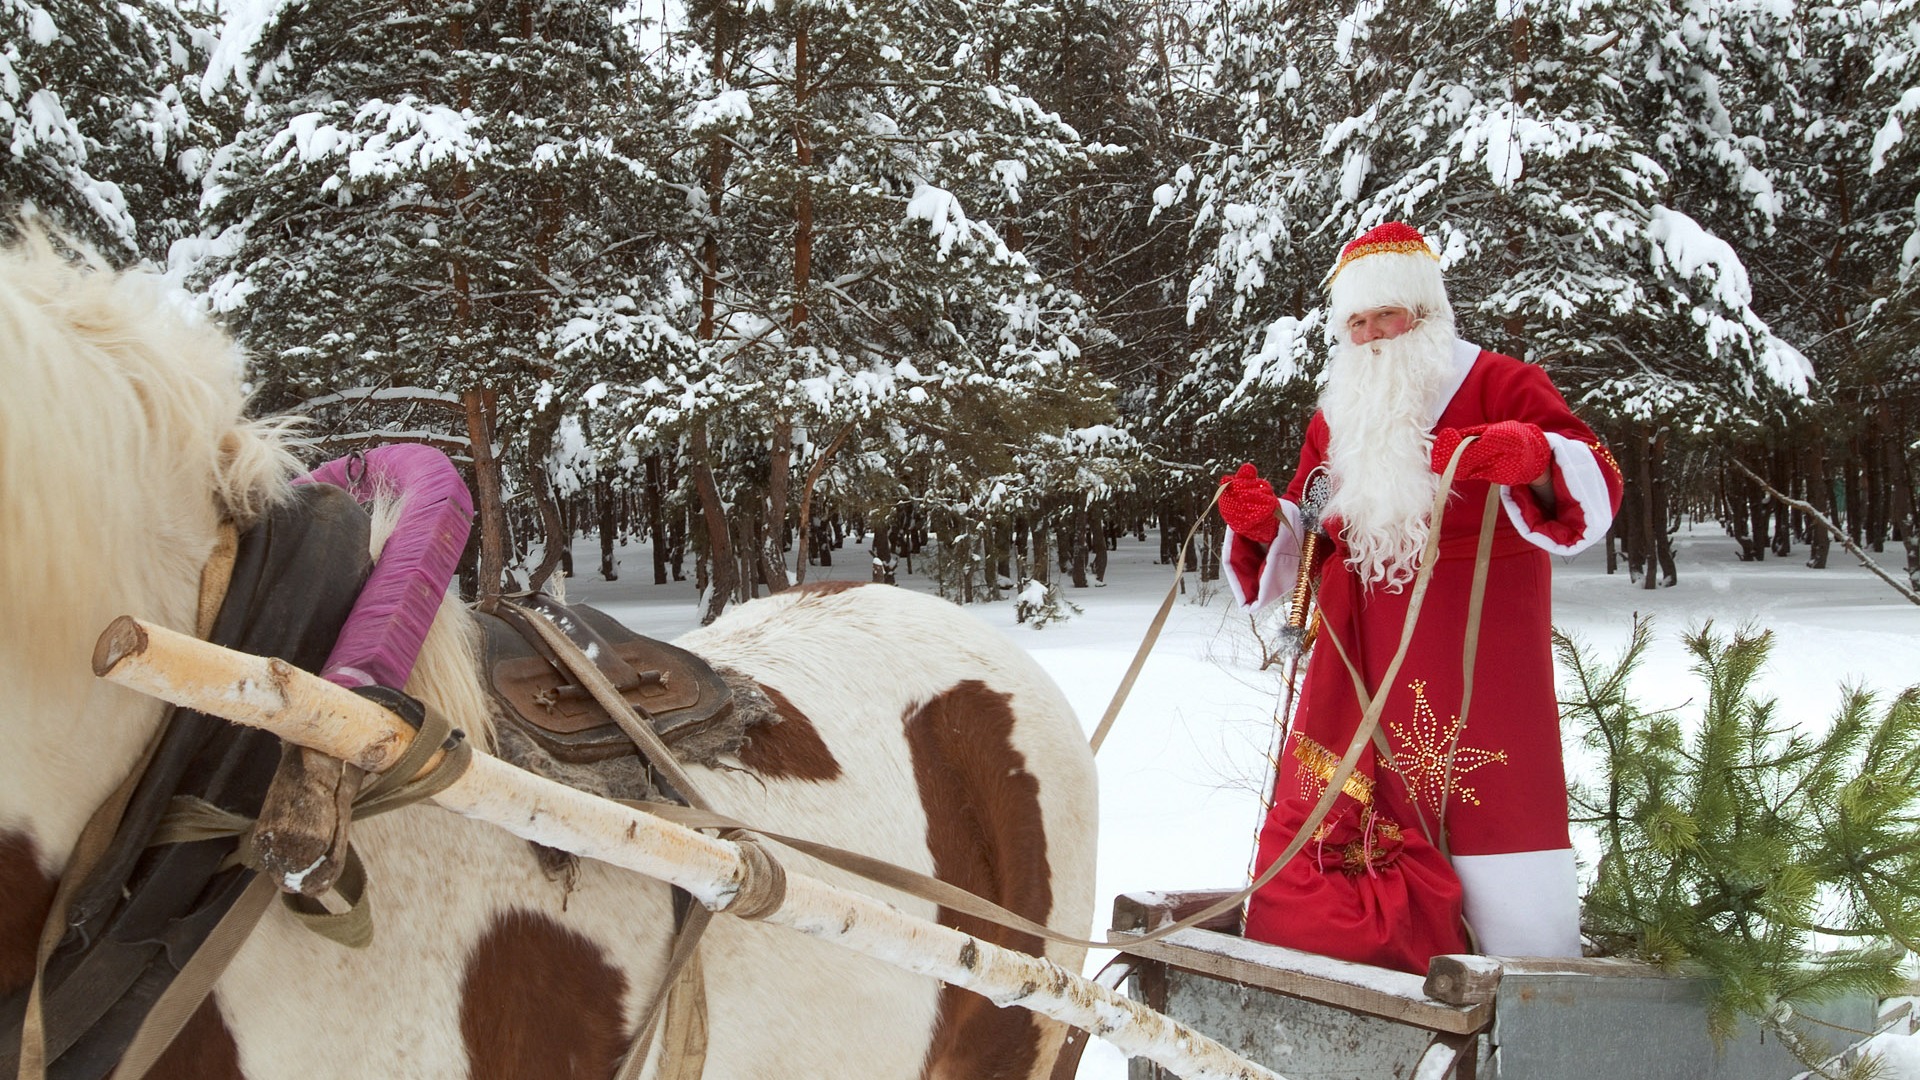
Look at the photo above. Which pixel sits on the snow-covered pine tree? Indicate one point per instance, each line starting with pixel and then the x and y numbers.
pixel 1097 63
pixel 102 120
pixel 1254 195
pixel 1507 131
pixel 1826 217
pixel 852 282
pixel 1890 337
pixel 452 198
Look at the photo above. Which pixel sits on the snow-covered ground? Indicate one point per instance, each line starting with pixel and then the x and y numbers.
pixel 1180 772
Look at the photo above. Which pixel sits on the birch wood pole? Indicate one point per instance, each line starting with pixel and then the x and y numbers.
pixel 302 708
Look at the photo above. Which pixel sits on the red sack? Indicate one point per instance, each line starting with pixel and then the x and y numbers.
pixel 1368 887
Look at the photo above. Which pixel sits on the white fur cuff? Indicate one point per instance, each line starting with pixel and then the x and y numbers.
pixel 1277 570
pixel 1579 475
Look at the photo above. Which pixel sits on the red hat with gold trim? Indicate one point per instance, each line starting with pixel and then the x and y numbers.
pixel 1389 265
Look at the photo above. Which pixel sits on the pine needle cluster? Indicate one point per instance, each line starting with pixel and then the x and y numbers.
pixel 1742 844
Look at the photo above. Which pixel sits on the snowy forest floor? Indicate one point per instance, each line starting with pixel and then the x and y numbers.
pixel 1181 771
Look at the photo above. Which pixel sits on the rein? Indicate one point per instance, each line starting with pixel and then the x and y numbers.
pixel 1371 706
pixel 1153 628
pixel 947 895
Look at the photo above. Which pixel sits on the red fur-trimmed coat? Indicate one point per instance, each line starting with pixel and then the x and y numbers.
pixel 1506 790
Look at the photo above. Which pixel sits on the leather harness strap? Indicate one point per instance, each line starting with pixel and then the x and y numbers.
pixel 1153 629
pixel 682 990
pixel 195 819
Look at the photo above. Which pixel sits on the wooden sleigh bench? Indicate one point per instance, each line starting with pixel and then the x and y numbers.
pixel 1311 1017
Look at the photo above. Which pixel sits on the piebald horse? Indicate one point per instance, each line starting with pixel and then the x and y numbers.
pixel 912 731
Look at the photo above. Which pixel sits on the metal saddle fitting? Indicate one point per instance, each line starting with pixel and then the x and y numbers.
pixel 674 689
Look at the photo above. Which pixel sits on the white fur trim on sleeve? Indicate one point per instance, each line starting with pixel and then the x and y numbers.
pixel 1581 472
pixel 1282 565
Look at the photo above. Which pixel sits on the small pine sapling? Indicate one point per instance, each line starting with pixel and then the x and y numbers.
pixel 1729 841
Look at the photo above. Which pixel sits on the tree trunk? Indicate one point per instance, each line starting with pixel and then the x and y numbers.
pixel 746 547
pixel 481 406
pixel 1649 580
pixel 1662 550
pixel 1097 530
pixel 1782 479
pixel 883 573
pixel 655 496
pixel 1735 498
pixel 1037 566
pixel 1820 495
pixel 724 577
pixel 1855 508
pixel 609 530
pixel 805 531
pixel 677 543
pixel 722 574
pixel 1874 479
pixel 1171 529
pixel 771 550
pixel 553 531
pixel 1760 510
pixel 1076 535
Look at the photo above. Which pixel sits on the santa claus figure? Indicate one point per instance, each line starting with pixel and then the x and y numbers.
pixel 1446 828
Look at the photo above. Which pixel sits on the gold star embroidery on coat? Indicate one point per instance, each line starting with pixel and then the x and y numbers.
pixel 1423 749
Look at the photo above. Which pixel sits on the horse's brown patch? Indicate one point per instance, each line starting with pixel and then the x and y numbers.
pixel 828 588
pixel 791 749
pixel 538 999
pixel 203 1050
pixel 26 892
pixel 986 836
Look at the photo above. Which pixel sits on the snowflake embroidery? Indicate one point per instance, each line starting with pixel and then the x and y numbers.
pixel 1422 757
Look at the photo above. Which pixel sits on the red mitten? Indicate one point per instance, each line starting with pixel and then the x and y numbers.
pixel 1248 505
pixel 1511 452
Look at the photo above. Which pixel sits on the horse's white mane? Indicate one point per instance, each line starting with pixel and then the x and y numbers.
pixel 122 444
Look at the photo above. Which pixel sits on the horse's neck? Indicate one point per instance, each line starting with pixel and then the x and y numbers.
pixel 54 775
pixel 68 739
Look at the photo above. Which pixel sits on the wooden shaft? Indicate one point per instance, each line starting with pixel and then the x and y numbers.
pixel 306 709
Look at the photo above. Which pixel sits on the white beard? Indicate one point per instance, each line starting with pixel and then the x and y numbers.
pixel 1379 403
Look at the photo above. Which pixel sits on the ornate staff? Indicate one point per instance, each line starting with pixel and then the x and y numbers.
pixel 1296 638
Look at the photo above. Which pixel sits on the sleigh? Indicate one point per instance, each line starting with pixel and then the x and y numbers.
pixel 1311 1017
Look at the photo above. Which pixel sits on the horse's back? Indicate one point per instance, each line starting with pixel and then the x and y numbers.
pixel 915 732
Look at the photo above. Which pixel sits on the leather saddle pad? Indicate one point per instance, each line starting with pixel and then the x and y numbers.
pixel 678 692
